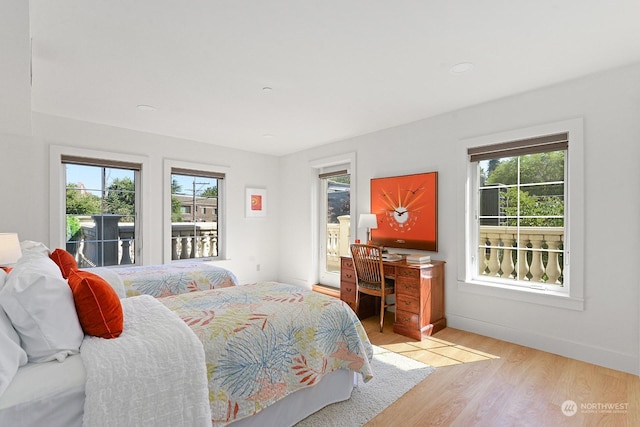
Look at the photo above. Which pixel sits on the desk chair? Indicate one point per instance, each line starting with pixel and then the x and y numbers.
pixel 370 280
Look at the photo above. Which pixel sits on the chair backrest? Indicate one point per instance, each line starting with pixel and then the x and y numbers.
pixel 367 260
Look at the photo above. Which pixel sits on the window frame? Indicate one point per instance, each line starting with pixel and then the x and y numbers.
pixel 172 166
pixel 57 193
pixel 571 296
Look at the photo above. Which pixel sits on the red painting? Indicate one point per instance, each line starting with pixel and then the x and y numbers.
pixel 256 202
pixel 406 208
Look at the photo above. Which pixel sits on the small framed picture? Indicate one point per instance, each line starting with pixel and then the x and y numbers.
pixel 256 203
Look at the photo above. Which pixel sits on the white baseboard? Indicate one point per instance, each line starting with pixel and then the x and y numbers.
pixel 572 349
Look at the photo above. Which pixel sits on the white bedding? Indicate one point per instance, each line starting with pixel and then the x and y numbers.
pixel 53 393
pixel 45 394
pixel 123 388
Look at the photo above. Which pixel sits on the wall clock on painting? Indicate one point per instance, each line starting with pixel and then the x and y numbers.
pixel 407 211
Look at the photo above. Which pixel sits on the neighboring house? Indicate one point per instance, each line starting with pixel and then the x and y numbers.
pixel 206 208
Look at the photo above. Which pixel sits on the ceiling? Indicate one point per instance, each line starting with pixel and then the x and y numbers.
pixel 336 68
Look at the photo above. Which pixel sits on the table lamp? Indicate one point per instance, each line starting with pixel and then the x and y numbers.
pixel 368 221
pixel 10 251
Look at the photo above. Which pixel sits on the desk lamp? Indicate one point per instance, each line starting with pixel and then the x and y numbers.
pixel 368 221
pixel 10 251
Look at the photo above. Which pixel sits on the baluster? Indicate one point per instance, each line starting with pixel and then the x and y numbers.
pixel 206 245
pixel 482 254
pixel 126 247
pixel 174 247
pixel 494 264
pixel 184 250
pixel 507 265
pixel 194 246
pixel 537 267
pixel 553 266
pixel 522 267
pixel 482 260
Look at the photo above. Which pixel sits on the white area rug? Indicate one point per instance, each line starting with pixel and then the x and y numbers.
pixel 393 376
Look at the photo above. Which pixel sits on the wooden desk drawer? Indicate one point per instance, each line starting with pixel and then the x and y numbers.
pixel 347 275
pixel 409 273
pixel 407 303
pixel 407 287
pixel 346 263
pixel 407 320
pixel 389 270
pixel 348 292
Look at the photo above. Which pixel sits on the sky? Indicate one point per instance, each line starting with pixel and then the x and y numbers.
pixel 90 177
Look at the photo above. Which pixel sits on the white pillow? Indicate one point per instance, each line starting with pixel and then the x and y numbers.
pixel 40 305
pixel 112 278
pixel 29 246
pixel 12 356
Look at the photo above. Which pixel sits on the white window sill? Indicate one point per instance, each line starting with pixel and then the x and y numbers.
pixel 534 296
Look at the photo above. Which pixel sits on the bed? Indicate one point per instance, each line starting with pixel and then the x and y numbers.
pixel 249 355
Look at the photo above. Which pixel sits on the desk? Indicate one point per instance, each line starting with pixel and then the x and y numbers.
pixel 419 296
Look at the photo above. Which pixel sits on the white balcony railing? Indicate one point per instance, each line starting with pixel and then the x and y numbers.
pixel 117 243
pixel 338 238
pixel 539 259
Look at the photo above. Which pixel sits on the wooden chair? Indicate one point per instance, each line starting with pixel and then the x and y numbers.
pixel 370 280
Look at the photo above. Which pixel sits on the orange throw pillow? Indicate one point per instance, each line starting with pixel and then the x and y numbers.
pixel 65 261
pixel 97 304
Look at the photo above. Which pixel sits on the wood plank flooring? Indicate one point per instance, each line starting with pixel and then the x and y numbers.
pixel 481 381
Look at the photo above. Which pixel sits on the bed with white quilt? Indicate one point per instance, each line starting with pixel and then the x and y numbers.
pixel 249 355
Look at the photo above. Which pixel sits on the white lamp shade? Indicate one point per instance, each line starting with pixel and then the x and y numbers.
pixel 368 221
pixel 10 251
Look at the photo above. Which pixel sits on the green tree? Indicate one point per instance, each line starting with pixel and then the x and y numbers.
pixel 120 199
pixel 210 192
pixel 536 201
pixel 176 214
pixel 534 168
pixel 532 206
pixel 81 203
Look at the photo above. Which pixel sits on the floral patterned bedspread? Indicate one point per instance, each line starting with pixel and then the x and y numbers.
pixel 173 279
pixel 264 341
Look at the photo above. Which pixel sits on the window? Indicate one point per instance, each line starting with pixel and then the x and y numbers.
pixel 101 210
pixel 195 225
pixel 520 211
pixel 519 230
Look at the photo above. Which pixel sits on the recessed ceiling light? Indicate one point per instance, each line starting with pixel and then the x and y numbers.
pixel 267 89
pixel 461 68
pixel 144 107
pixel 268 135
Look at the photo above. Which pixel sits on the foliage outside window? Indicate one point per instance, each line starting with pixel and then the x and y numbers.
pixel 195 219
pixel 100 212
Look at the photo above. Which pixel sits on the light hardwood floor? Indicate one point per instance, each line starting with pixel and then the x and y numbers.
pixel 506 385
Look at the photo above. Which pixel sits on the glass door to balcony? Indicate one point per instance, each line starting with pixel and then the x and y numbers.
pixel 334 224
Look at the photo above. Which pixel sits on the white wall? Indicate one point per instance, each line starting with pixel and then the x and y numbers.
pixel 15 51
pixel 607 331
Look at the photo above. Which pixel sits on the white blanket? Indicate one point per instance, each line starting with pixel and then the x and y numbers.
pixel 154 374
